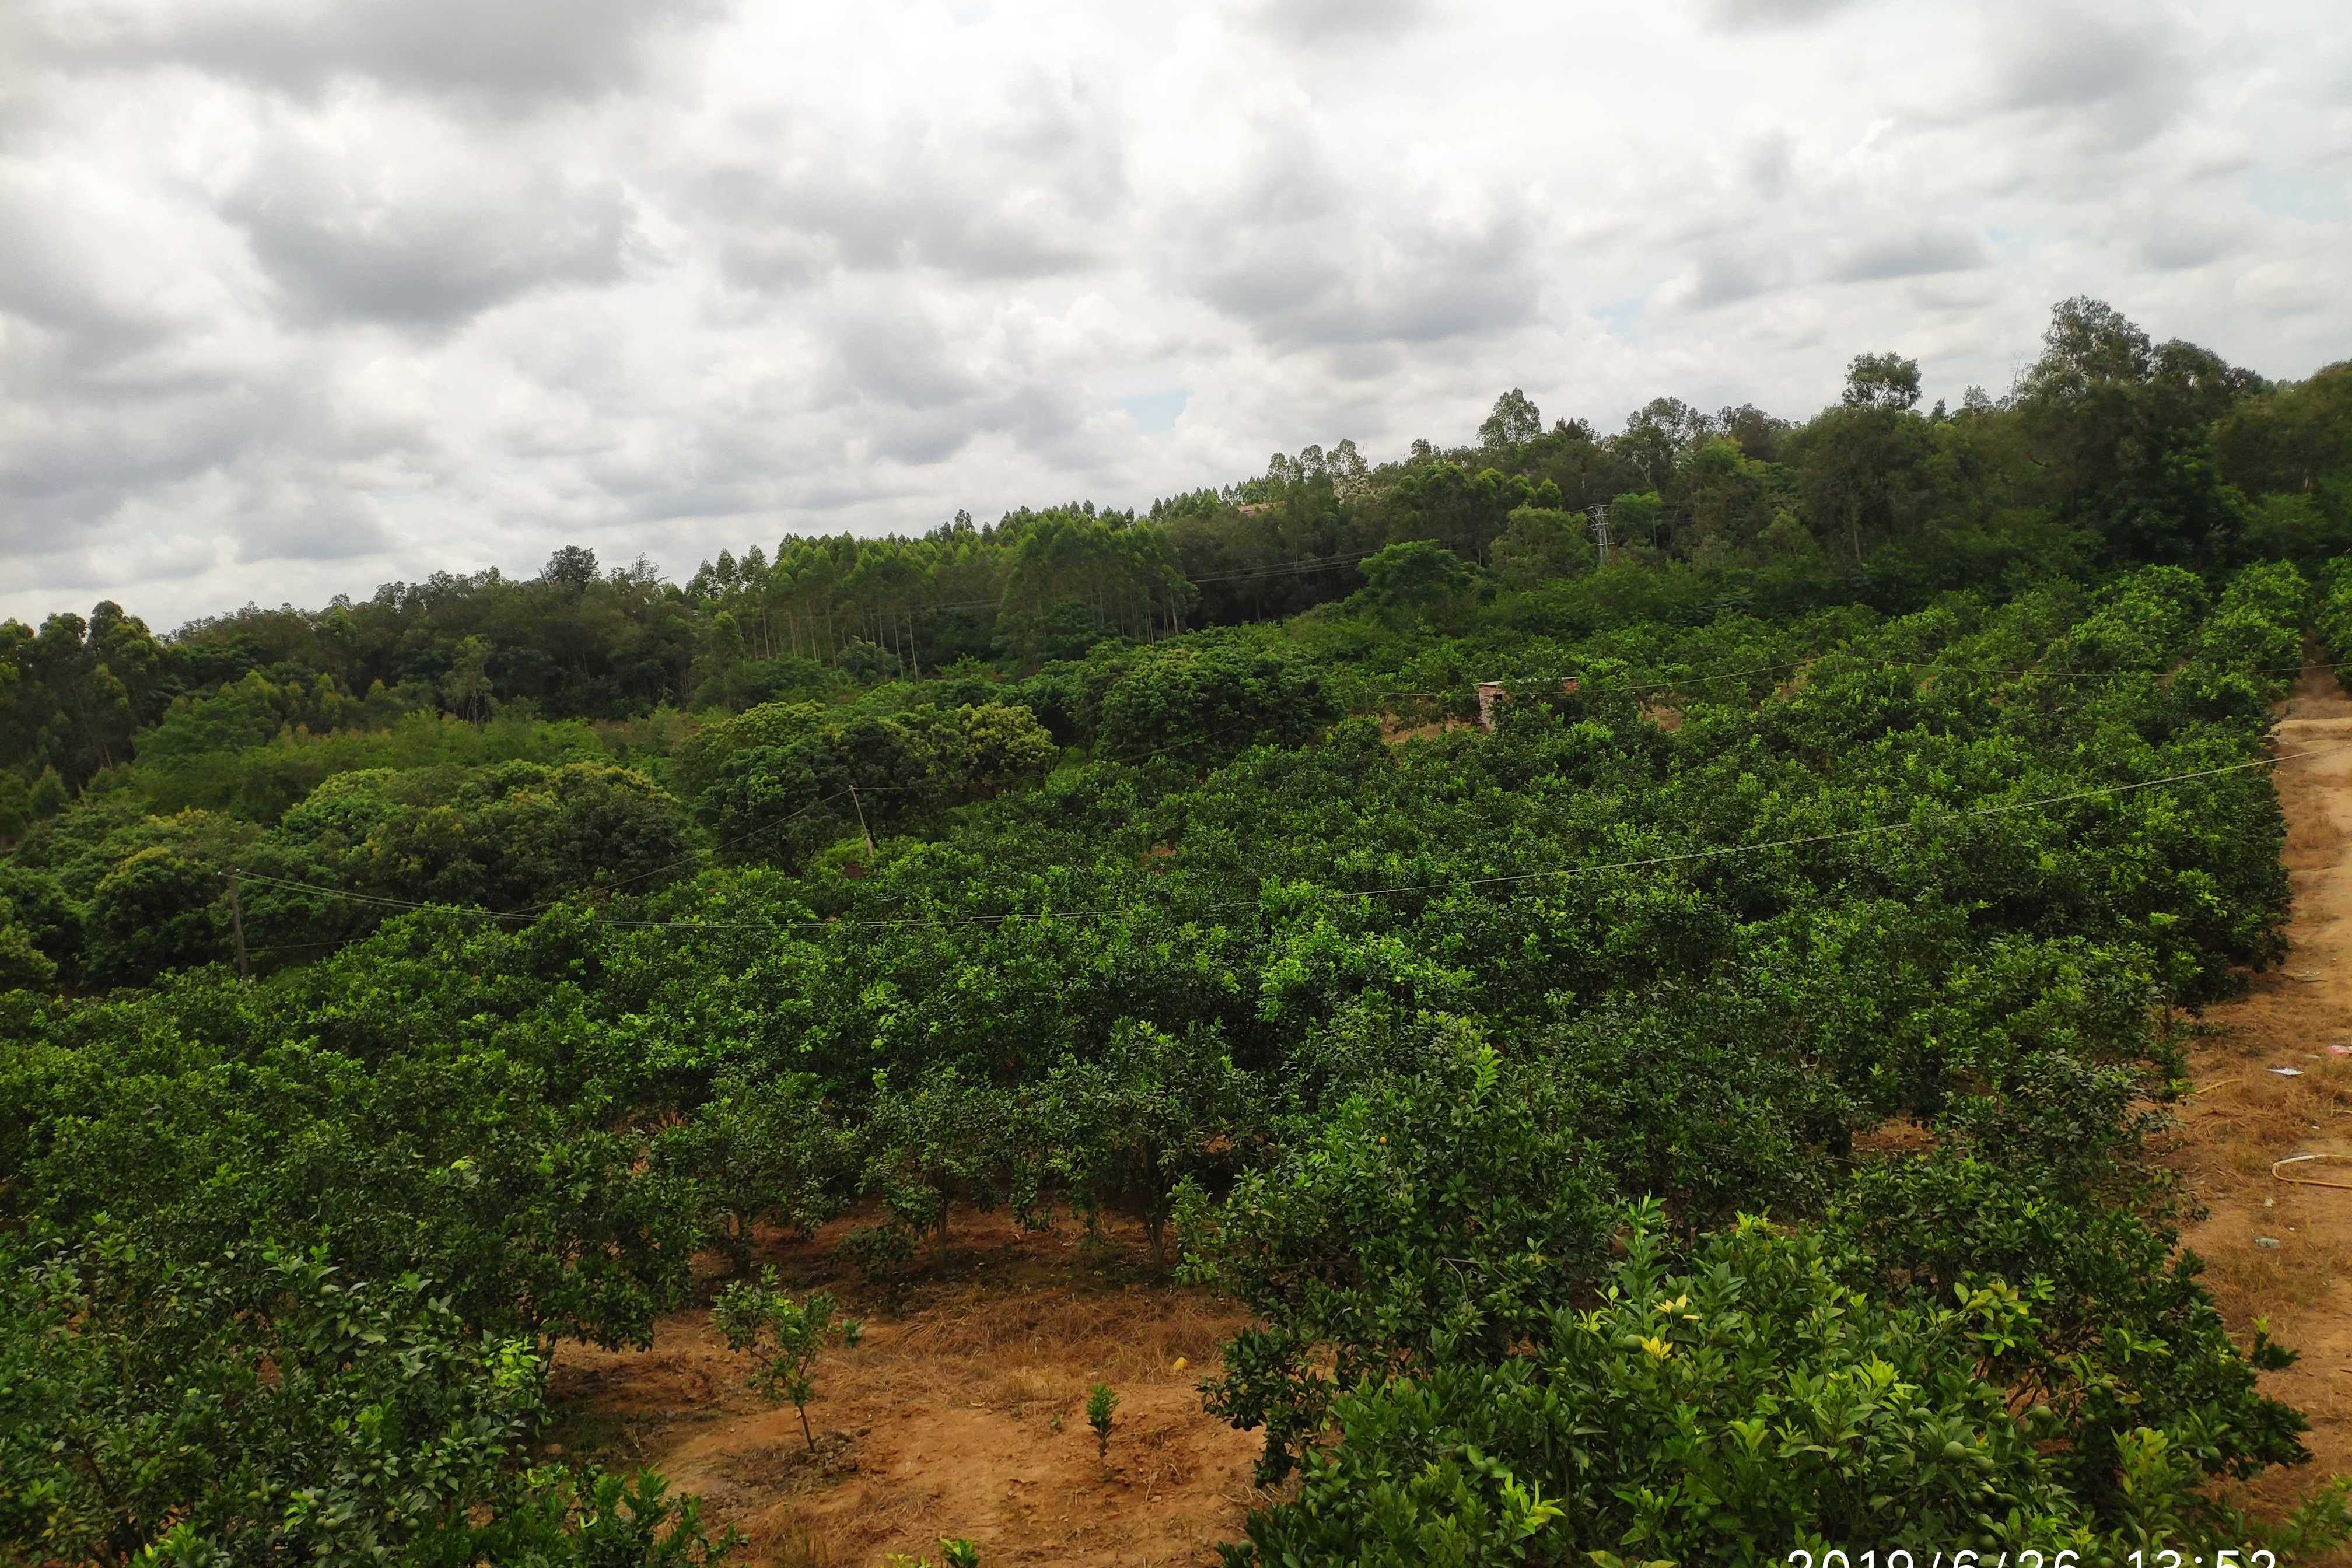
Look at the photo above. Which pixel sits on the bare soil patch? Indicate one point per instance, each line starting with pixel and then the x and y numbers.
pixel 1396 731
pixel 961 1414
pixel 2277 1251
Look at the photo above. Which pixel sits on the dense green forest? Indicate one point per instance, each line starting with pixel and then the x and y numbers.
pixel 1892 766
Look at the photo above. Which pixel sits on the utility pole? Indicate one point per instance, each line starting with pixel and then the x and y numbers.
pixel 236 924
pixel 1600 531
pixel 870 851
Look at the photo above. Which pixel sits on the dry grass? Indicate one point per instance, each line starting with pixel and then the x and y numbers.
pixel 2229 1137
pixel 2242 1116
pixel 798 1546
pixel 1900 1135
pixel 1396 732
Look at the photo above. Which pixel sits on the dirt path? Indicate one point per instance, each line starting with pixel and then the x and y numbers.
pixel 2278 1251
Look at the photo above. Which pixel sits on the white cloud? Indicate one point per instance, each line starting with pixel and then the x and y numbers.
pixel 1923 250
pixel 387 215
pixel 302 295
pixel 483 50
pixel 1329 21
pixel 1757 14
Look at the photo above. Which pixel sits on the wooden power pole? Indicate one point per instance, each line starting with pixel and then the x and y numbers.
pixel 860 809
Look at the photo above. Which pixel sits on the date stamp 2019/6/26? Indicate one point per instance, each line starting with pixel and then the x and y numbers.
pixel 2032 1557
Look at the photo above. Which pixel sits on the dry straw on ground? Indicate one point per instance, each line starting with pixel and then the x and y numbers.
pixel 2243 1117
pixel 962 1414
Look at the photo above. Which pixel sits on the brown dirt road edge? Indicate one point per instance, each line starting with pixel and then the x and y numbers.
pixel 2242 1116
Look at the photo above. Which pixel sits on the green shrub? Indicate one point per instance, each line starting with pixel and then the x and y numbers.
pixel 1221 694
pixel 1154 1111
pixel 1732 1411
pixel 1430 1218
pixel 308 1416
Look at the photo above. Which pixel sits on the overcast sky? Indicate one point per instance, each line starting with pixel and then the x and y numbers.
pixel 300 296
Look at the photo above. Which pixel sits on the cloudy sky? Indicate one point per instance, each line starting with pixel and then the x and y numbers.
pixel 299 296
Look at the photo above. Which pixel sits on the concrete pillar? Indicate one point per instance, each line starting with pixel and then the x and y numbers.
pixel 1489 693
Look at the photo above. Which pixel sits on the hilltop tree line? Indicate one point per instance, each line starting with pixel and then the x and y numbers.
pixel 2112 449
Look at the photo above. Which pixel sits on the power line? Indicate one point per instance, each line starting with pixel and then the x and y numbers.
pixel 306 946
pixel 409 905
pixel 1715 852
pixel 2014 670
pixel 1294 568
pixel 533 911
pixel 736 843
pixel 1302 567
pixel 1845 835
pixel 1641 863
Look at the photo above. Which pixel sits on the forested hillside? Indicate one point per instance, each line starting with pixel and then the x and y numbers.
pixel 1701 1117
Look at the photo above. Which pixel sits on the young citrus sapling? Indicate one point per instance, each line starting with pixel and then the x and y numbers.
pixel 782 1337
pixel 1100 1405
